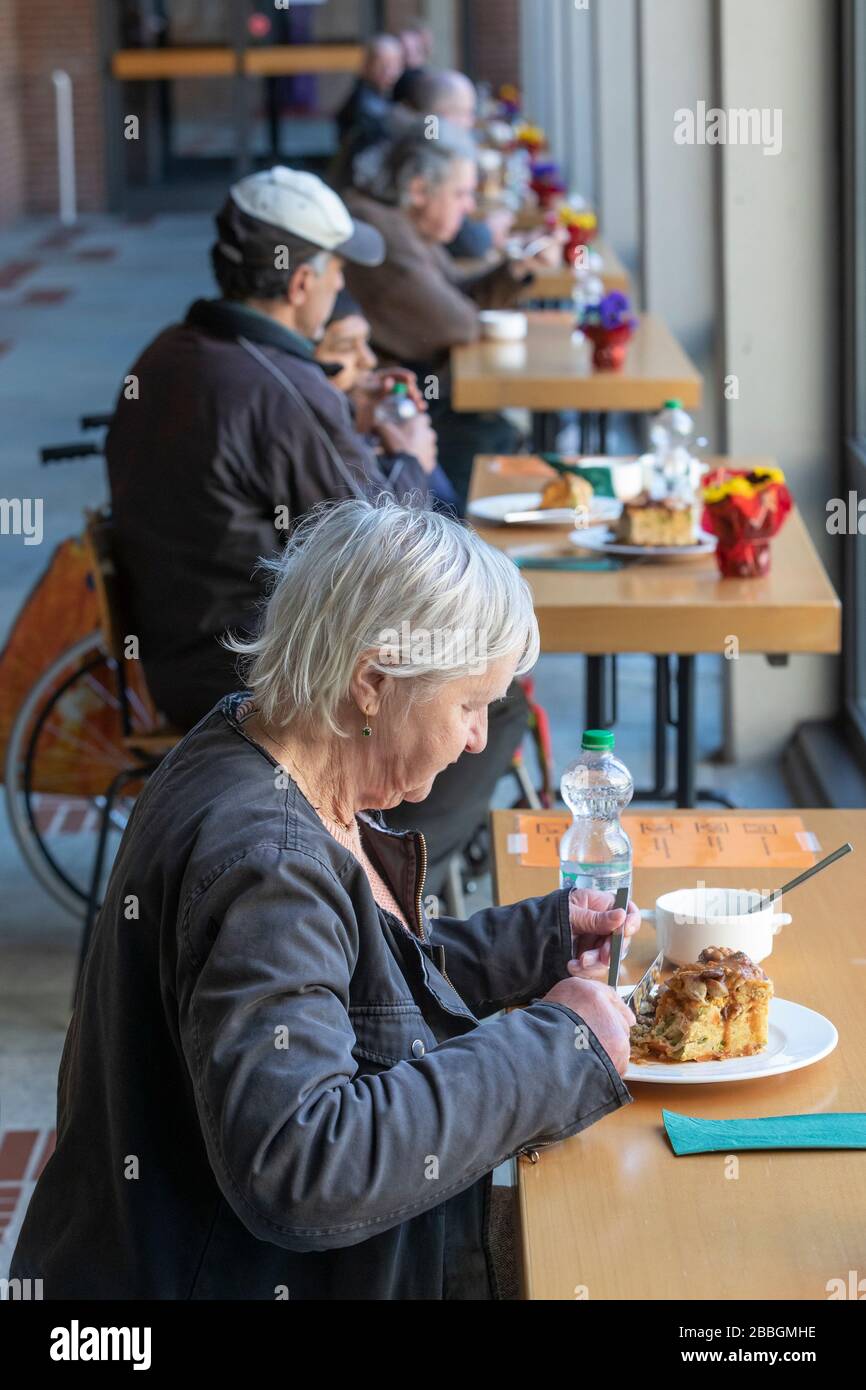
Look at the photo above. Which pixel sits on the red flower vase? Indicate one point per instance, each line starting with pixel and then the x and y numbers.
pixel 549 192
pixel 747 559
pixel 745 526
pixel 609 346
pixel 577 237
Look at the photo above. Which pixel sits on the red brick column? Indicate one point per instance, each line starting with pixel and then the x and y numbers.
pixel 495 41
pixel 11 147
pixel 59 34
pixel 399 14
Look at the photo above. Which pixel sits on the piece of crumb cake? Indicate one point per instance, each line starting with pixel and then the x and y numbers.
pixel 713 1009
pixel 649 522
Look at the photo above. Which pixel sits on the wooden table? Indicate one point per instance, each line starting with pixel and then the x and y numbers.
pixel 614 1210
pixel 547 372
pixel 677 609
pixel 557 282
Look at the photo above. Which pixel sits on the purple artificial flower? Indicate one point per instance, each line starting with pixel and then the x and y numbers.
pixel 613 310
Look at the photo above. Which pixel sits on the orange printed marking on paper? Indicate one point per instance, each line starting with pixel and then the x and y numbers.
pixel 659 841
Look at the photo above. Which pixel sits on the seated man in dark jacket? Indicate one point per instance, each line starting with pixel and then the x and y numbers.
pixel 228 430
pixel 366 108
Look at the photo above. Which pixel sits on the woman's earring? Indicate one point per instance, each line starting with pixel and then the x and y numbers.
pixel 366 731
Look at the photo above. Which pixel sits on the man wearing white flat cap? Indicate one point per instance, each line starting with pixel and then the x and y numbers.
pixel 234 431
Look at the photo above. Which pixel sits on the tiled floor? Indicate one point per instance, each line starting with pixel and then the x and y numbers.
pixel 75 310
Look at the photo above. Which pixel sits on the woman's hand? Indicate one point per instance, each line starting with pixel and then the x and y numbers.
pixel 602 1010
pixel 373 388
pixel 593 920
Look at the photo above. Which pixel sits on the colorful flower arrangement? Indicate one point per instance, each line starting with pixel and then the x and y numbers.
pixel 530 137
pixel 547 184
pixel 609 325
pixel 745 508
pixel 574 217
pixel 581 227
pixel 509 99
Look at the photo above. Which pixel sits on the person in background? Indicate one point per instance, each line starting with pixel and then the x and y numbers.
pixel 345 344
pixel 365 111
pixel 451 96
pixel 234 430
pixel 418 302
pixel 417 45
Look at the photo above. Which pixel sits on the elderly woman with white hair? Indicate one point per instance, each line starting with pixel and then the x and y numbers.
pixel 275 1083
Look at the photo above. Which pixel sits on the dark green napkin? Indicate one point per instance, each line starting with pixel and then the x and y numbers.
pixel 601 479
pixel 834 1131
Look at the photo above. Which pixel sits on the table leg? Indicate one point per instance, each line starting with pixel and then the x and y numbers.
pixel 599 714
pixel 686 731
pixel 544 427
pixel 686 794
pixel 602 432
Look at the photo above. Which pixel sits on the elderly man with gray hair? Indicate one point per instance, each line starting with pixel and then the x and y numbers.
pixel 284 1039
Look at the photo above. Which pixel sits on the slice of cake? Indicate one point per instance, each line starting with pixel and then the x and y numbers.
pixel 651 522
pixel 714 1009
pixel 567 490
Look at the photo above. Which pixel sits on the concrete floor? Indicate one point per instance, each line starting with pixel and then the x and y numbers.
pixel 61 355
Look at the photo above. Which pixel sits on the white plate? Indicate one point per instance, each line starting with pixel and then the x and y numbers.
pixel 601 538
pixel 797 1037
pixel 494 510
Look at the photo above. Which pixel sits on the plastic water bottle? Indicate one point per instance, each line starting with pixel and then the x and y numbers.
pixel 671 434
pixel 397 407
pixel 595 851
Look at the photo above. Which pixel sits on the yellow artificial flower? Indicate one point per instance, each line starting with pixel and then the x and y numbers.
pixel 731 487
pixel 530 134
pixel 570 217
pixel 768 475
pixel 743 485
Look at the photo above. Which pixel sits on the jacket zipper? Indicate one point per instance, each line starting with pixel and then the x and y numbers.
pixel 531 1150
pixel 420 843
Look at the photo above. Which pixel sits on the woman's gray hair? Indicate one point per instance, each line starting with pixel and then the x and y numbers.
pixel 427 148
pixel 418 594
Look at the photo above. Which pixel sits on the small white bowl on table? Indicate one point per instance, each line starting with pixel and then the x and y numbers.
pixel 503 325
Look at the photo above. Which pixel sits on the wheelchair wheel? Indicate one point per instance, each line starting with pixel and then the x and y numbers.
pixel 64 749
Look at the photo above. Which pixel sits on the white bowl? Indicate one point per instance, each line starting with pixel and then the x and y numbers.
pixel 691 919
pixel 503 325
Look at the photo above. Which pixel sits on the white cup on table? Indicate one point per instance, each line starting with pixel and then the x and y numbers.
pixel 689 920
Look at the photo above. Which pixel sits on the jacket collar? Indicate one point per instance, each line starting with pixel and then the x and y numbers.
pixel 227 318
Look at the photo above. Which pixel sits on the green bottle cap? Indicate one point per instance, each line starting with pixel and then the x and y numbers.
pixel 399 389
pixel 673 405
pixel 598 740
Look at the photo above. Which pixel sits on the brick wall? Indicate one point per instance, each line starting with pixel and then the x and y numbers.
pixel 11 160
pixel 495 54
pixel 56 34
pixel 400 13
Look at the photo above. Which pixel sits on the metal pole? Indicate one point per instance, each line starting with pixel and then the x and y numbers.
pixel 65 146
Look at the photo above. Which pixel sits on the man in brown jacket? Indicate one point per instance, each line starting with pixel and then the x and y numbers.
pixel 419 304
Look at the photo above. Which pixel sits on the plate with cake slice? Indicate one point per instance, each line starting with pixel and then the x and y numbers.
pixel 651 528
pixel 565 501
pixel 717 1020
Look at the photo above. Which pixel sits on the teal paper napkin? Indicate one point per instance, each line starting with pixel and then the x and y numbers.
pixel 564 562
pixel 692 1136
